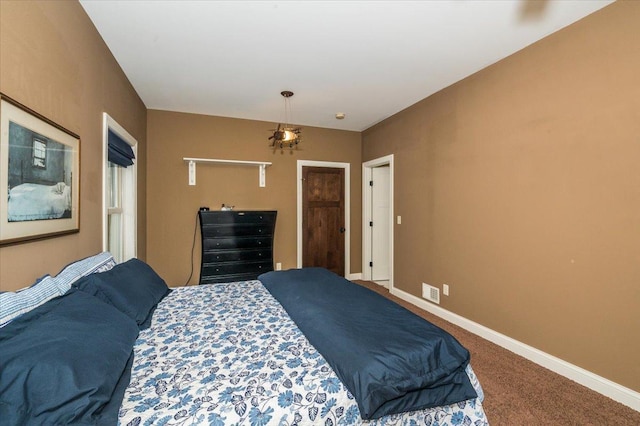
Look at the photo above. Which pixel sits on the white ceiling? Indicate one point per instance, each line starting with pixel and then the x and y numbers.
pixel 367 59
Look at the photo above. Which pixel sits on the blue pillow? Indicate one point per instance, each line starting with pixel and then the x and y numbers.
pixel 66 362
pixel 133 287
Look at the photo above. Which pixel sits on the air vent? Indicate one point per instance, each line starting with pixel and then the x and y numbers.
pixel 431 293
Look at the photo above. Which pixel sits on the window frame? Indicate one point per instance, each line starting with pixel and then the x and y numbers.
pixel 127 210
pixel 39 153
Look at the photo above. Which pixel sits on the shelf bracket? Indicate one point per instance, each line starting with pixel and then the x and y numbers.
pixel 263 175
pixel 192 173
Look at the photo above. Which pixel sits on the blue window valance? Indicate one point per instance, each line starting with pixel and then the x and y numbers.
pixel 120 151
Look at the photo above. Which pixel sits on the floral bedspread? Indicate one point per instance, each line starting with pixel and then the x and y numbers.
pixel 228 354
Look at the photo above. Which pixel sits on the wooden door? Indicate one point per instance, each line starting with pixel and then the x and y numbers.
pixel 323 223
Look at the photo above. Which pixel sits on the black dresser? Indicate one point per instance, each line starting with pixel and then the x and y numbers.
pixel 236 245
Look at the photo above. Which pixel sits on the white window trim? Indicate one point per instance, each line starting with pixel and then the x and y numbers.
pixel 129 180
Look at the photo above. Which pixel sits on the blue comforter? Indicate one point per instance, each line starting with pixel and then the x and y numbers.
pixel 390 359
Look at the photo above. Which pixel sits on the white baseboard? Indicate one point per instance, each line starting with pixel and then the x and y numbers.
pixel 352 277
pixel 586 378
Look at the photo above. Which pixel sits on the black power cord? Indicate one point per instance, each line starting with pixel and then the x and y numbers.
pixel 193 245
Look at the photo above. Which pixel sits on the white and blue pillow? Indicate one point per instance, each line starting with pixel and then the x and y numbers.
pixel 14 304
pixel 71 273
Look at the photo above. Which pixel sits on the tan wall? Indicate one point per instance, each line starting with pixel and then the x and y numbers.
pixel 520 188
pixel 173 204
pixel 53 60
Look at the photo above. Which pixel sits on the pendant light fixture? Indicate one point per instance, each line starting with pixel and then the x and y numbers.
pixel 285 135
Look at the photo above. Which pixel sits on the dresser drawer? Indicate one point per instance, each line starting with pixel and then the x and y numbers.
pixel 237 243
pixel 237 217
pixel 226 268
pixel 236 230
pixel 237 255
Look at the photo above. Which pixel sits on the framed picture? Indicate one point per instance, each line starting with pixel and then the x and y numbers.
pixel 39 176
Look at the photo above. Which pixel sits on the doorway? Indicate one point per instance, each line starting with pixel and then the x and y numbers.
pixel 323 215
pixel 377 212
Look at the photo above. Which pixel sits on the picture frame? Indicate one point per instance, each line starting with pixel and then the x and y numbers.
pixel 39 176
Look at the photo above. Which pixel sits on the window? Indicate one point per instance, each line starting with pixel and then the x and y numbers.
pixel 39 153
pixel 119 224
pixel 115 242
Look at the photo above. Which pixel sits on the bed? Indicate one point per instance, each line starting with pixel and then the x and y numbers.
pixel 217 354
pixel 31 201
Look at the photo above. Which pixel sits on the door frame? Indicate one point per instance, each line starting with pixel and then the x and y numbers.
pixel 347 208
pixel 366 215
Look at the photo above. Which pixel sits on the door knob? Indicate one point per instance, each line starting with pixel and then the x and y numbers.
pixel 342 230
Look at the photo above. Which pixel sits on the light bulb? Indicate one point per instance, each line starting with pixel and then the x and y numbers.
pixel 288 135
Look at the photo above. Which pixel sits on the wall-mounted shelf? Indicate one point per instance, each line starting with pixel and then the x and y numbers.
pixel 262 166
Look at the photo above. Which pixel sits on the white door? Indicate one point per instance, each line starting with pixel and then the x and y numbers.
pixel 380 239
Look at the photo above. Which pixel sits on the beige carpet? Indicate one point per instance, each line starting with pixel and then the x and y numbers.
pixel 520 392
